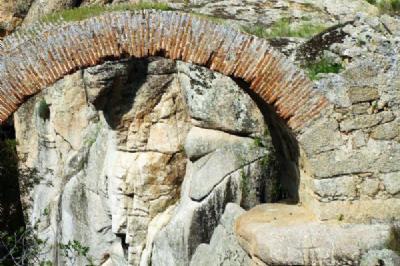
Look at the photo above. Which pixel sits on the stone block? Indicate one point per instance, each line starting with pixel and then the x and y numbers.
pixel 344 162
pixel 323 136
pixel 360 108
pixel 386 131
pixel 336 188
pixel 369 187
pixel 365 121
pixel 362 94
pixel 392 182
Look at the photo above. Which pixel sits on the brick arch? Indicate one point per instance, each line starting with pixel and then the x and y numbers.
pixel 32 61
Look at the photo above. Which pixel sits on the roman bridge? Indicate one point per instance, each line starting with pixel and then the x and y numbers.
pixel 45 53
pixel 36 58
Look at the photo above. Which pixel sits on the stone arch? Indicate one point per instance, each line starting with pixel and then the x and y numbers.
pixel 31 61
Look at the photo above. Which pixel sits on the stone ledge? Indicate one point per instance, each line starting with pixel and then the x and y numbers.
pixel 280 234
pixel 359 211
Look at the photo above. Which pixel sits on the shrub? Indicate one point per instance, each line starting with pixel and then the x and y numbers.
pixel 73 250
pixel 22 247
pixel 282 28
pixel 81 13
pixel 44 110
pixel 390 6
pixel 324 65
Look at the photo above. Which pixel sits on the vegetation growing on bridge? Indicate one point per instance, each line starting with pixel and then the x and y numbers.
pixel 283 28
pixel 387 6
pixel 323 65
pixel 81 13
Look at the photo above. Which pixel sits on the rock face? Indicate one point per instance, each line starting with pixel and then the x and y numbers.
pixel 138 159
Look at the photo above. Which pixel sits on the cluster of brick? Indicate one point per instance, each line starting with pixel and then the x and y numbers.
pixel 32 60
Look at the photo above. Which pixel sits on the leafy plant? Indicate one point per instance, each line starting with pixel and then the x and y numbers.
pixel 81 13
pixel 23 247
pixel 260 141
pixel 73 250
pixel 324 65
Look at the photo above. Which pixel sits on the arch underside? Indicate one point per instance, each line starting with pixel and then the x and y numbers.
pixel 34 60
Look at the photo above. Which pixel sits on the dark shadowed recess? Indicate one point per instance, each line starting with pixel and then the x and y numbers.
pixel 286 147
pixel 11 214
pixel 117 98
pixel 311 50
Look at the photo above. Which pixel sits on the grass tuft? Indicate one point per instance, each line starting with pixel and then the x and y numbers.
pixel 81 13
pixel 387 6
pixel 282 28
pixel 324 65
pixel 215 20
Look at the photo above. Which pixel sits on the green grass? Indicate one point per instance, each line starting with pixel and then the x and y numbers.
pixel 282 28
pixel 215 20
pixel 322 66
pixel 245 183
pixel 387 6
pixel 81 13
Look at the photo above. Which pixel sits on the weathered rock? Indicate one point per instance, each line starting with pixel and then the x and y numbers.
pixel 201 142
pixel 315 140
pixel 365 121
pixel 289 235
pixel 370 187
pixel 12 13
pixel 380 257
pixel 362 94
pixel 193 222
pixel 386 131
pixel 210 108
pixel 41 8
pixel 338 188
pixel 212 169
pixel 392 182
pixel 361 108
